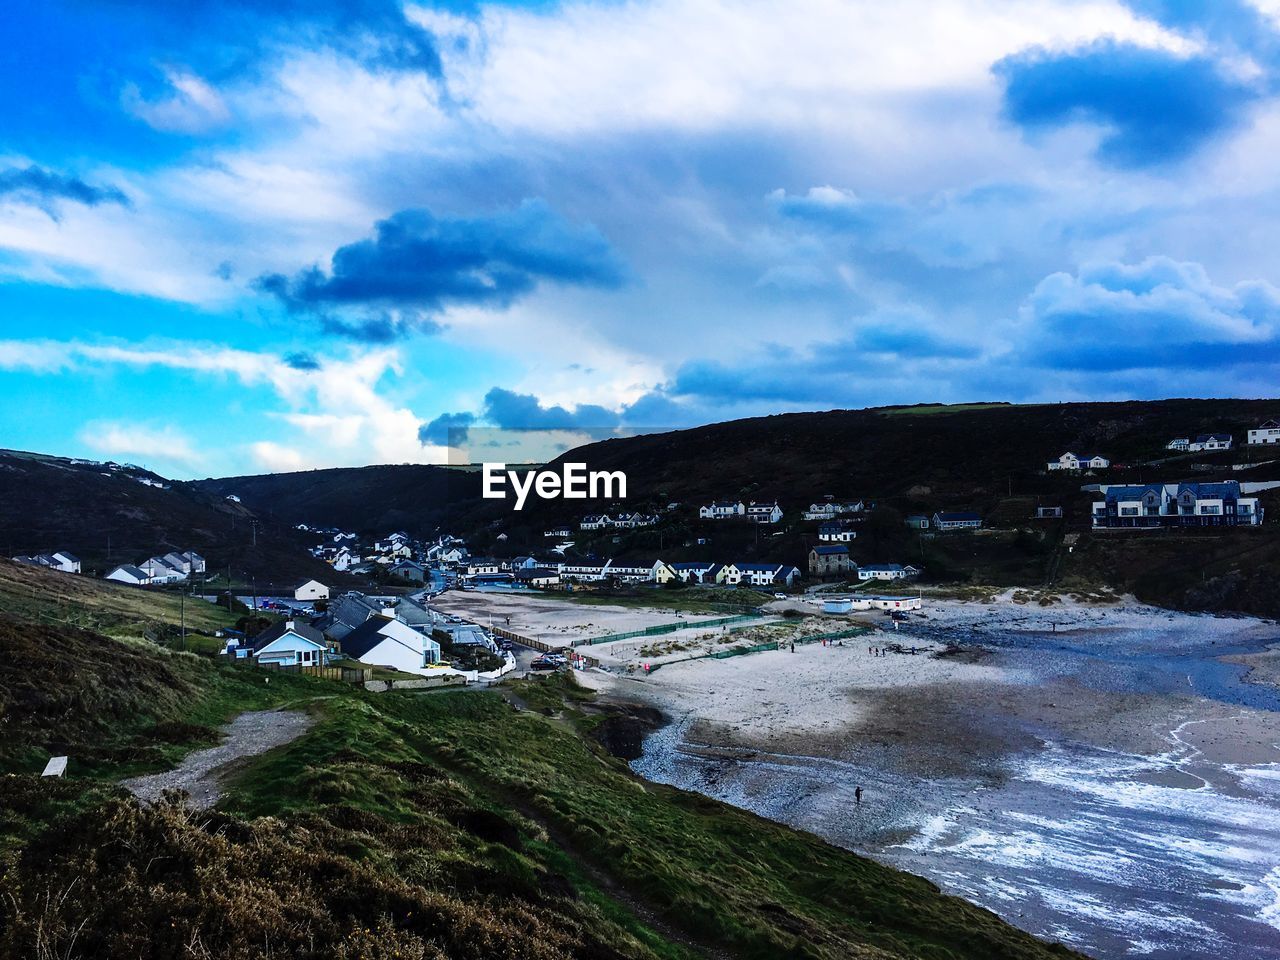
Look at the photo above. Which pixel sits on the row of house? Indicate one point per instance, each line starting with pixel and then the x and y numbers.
pixel 1152 505
pixel 171 568
pixel 727 574
pixel 1266 433
pixel 757 512
pixel 623 521
pixel 830 509
pixel 59 560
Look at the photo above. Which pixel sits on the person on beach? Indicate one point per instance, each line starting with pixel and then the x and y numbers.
pixel 857 796
pixel 793 646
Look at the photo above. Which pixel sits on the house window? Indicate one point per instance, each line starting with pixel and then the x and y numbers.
pixel 1210 508
pixel 1128 511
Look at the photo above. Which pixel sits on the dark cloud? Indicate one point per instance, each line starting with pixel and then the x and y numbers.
pixel 524 411
pixel 41 187
pixel 1157 314
pixel 420 263
pixel 382 328
pixel 1155 107
pixel 301 361
pixel 447 430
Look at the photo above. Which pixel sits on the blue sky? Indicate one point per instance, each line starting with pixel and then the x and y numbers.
pixel 246 236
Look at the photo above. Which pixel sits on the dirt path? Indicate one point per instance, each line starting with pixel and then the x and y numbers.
pixel 200 773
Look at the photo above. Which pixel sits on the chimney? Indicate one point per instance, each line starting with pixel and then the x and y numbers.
pixel 389 611
pixel 288 624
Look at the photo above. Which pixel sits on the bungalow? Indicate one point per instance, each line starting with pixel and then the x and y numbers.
pixel 66 562
pixel 957 521
pixel 1211 441
pixel 918 521
pixel 1070 461
pixel 384 641
pixel 290 643
pixel 722 510
pixel 537 576
pixel 1181 444
pixel 837 531
pixel 311 590
pixel 482 566
pixel 1266 432
pixel 558 533
pixel 409 570
pixel 453 555
pixel 829 560
pixel 128 573
pixel 662 572
pixel 595 521
pixel 764 512
pixel 887 571
pixel 523 563
pixel 1176 505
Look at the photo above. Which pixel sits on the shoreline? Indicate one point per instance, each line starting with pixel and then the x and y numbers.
pixel 969 768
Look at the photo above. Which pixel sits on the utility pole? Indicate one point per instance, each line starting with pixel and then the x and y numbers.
pixel 182 613
pixel 254 524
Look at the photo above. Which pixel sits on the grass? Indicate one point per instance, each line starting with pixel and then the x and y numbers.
pixel 116 610
pixel 705 872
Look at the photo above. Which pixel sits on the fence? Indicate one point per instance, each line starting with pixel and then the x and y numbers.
pixel 761 647
pixel 332 672
pixel 540 645
pixel 665 628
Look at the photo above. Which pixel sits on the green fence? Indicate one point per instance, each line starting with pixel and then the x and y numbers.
pixel 664 628
pixel 762 647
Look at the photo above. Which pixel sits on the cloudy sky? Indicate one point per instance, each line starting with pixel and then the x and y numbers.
pixel 241 235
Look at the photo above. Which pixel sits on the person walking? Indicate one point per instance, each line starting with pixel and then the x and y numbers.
pixel 857 796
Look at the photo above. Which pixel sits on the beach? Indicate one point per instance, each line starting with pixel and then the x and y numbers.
pixel 1104 774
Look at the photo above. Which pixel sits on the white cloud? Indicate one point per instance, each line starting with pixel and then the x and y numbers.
pixel 190 105
pixel 151 442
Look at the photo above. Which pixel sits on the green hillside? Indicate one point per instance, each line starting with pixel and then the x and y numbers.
pixel 403 825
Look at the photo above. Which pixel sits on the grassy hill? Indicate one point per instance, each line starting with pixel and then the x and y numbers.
pixel 108 516
pixel 402 825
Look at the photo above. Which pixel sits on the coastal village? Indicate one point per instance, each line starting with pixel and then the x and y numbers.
pixel 406 622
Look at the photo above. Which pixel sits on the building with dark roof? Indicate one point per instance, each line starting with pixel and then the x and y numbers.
pixel 1217 504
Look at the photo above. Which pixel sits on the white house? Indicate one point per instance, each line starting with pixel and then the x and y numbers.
pixel 289 644
pixel 886 603
pixel 760 574
pixel 482 566
pixel 1268 432
pixel 1180 444
pixel 384 641
pixel 595 521
pixel 764 512
pixel 128 573
pixel 630 572
pixel 837 531
pixel 66 562
pixel 1071 461
pixel 887 571
pixel 1220 504
pixel 311 590
pixel 954 520
pixel 722 510
pixel 160 570
pixel 1211 441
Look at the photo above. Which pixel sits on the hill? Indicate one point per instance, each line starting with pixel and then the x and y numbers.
pixel 401 825
pixel 107 514
pixel 930 456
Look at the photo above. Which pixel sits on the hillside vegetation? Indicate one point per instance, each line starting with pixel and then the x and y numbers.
pixel 108 517
pixel 403 825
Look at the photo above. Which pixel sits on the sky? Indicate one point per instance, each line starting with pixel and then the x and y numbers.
pixel 261 235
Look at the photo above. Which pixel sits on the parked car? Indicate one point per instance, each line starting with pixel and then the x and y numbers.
pixel 543 663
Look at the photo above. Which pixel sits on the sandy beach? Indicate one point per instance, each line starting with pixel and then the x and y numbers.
pixel 1072 757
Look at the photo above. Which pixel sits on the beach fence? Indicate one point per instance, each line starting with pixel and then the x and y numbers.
pixel 762 647
pixel 346 674
pixel 665 628
pixel 541 645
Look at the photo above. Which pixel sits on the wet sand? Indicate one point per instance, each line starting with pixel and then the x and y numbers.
pixel 1100 775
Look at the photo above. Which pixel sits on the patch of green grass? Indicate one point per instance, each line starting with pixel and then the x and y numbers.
pixel 709 600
